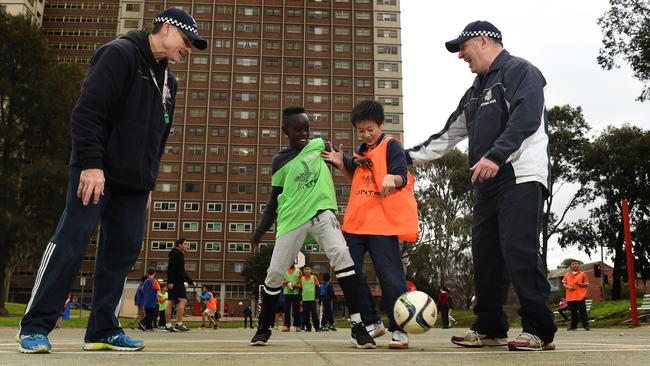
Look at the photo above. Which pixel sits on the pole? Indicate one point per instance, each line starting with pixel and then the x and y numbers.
pixel 81 301
pixel 602 271
pixel 630 263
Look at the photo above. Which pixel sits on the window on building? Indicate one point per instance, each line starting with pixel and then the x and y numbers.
pixel 192 187
pixel 162 245
pixel 241 207
pixel 214 207
pixel 166 187
pixel 222 43
pixel 191 206
pixel 239 247
pixel 388 84
pixel 215 188
pixel 387 50
pixel 213 227
pixel 192 168
pixel 240 227
pixel 212 246
pixel 211 266
pixel 163 226
pixel 164 206
pixel 236 267
pixel 190 226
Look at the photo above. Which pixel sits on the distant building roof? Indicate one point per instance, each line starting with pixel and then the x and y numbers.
pixel 560 272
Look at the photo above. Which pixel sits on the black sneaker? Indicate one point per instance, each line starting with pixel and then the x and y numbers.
pixel 170 329
pixel 360 337
pixel 261 337
pixel 181 328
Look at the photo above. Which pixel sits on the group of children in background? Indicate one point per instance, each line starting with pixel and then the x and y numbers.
pixel 151 299
pixel 305 292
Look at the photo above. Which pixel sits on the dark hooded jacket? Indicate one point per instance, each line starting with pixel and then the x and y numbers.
pixel 117 124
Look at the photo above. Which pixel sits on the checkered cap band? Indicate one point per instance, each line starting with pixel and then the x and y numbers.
pixel 481 33
pixel 176 23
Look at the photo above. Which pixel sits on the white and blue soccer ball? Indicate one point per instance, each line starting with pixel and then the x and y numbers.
pixel 415 312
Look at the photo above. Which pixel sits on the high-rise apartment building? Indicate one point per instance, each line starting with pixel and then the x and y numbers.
pixel 262 56
pixel 33 9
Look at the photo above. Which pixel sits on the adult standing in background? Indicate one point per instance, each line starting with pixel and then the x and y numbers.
pixel 576 283
pixel 176 279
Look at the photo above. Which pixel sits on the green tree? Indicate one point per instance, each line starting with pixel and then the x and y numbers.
pixel 254 271
pixel 444 198
pixel 567 141
pixel 36 97
pixel 626 35
pixel 615 166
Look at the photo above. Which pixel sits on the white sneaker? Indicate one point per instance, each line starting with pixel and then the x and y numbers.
pixel 473 339
pixel 400 340
pixel 376 330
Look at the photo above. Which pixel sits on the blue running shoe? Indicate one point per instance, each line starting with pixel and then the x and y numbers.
pixel 34 343
pixel 118 342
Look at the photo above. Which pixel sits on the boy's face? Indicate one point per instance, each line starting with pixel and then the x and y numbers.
pixel 297 130
pixel 306 270
pixel 369 131
pixel 575 266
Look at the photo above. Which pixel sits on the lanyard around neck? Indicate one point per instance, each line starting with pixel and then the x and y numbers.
pixel 163 93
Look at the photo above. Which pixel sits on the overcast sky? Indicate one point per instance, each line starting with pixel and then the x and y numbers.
pixel 560 37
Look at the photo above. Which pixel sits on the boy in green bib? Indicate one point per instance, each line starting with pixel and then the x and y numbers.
pixel 303 201
pixel 309 284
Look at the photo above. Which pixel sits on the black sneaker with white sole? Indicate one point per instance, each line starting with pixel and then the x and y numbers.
pixel 360 337
pixel 261 337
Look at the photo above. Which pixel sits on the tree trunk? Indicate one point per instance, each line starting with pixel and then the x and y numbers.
pixel 619 260
pixel 4 291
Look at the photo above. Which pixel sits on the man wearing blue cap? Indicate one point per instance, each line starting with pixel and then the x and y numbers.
pixel 119 127
pixel 503 116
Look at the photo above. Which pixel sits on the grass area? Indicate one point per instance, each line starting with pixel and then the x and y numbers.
pixel 606 314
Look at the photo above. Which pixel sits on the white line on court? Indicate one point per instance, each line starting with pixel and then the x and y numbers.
pixel 352 353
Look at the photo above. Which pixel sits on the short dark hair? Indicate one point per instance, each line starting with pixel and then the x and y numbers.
pixel 290 112
pixel 157 27
pixel 151 271
pixel 326 277
pixel 180 241
pixel 368 110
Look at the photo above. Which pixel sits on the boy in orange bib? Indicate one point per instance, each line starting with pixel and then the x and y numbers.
pixel 381 211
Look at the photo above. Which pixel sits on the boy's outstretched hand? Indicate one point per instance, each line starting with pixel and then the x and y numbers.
pixel 334 156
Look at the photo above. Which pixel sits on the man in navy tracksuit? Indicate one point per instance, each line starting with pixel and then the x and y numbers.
pixel 119 126
pixel 503 116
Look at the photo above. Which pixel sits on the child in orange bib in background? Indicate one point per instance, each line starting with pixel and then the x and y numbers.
pixel 381 211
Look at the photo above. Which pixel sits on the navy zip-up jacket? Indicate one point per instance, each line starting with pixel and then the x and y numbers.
pixel 504 117
pixel 117 124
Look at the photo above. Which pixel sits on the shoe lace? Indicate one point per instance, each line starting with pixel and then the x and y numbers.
pixel 472 335
pixel 34 337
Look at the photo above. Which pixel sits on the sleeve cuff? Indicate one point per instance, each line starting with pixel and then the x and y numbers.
pixel 93 163
pixel 409 161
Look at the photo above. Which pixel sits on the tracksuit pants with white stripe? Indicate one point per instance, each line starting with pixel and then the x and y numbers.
pixel 505 249
pixel 122 214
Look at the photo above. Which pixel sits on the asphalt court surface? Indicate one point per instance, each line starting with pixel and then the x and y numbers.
pixel 231 347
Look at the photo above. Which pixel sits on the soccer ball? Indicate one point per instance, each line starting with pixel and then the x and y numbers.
pixel 240 303
pixel 415 312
